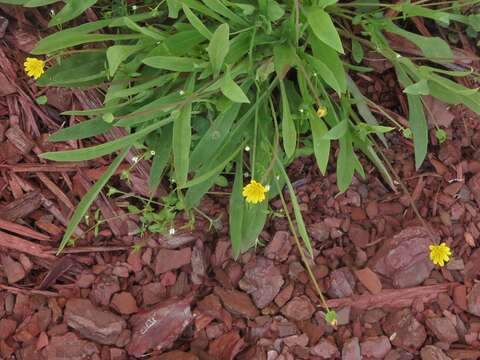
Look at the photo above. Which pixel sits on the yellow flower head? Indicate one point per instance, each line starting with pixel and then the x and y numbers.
pixel 254 192
pixel 321 111
pixel 440 254
pixel 34 67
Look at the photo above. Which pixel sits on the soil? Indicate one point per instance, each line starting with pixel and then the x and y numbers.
pixel 182 296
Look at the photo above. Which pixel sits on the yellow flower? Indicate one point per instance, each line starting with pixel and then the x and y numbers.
pixel 440 254
pixel 321 111
pixel 34 67
pixel 254 192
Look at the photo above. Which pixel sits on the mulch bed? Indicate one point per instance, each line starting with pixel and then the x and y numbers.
pixel 183 297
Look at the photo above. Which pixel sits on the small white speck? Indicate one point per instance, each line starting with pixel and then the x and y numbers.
pixel 181 92
pixel 246 174
pixel 277 177
pixel 301 110
pixel 135 159
pixel 247 148
pixel 267 187
pixel 87 217
pixel 134 7
pixel 152 152
pixel 171 231
pixel 315 74
pixel 172 180
pixel 52 12
pixel 398 56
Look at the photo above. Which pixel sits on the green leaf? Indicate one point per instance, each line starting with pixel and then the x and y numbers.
pixel 41 100
pixel 82 130
pixel 216 135
pixel 418 124
pixel 196 22
pixel 163 149
pixel 117 54
pixel 231 90
pixel 419 88
pixel 218 47
pixel 331 317
pixel 235 210
pixel 321 147
pixel 345 163
pixel 337 131
pixel 71 10
pixel 35 3
pixel 174 7
pixel 325 73
pixel 182 139
pixel 174 63
pixel 432 47
pixel 78 70
pixel 289 132
pixel 296 210
pixel 89 197
pixel 324 29
pixel 274 11
pixel 357 51
pixel 105 148
pixel 331 59
pixel 284 58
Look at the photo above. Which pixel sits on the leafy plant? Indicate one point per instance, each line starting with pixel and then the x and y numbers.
pixel 198 82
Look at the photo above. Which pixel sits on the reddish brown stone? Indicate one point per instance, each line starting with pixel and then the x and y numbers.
pixel 279 247
pixel 124 303
pixel 443 329
pixel 167 260
pixel 13 269
pixel 376 347
pixel 404 257
pixel 237 302
pixel 7 328
pixel 93 323
pixel 227 346
pixel 159 327
pixel 262 280
pixel 69 347
pixel 299 308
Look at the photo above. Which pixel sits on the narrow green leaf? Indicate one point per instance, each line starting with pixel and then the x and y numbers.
pixel 174 63
pixel 334 64
pixel 89 197
pixel 236 210
pixel 325 73
pixel 117 54
pixel 419 126
pixel 321 147
pixel 432 47
pixel 323 27
pixel 296 210
pixel 231 90
pixel 196 22
pixel 163 151
pixel 284 58
pixel 289 132
pixel 357 51
pixel 419 88
pixel 71 10
pixel 105 148
pixel 345 163
pixel 218 47
pixel 182 139
pixel 82 130
pixel 337 131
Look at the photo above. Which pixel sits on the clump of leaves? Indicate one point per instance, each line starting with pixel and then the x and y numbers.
pixel 197 82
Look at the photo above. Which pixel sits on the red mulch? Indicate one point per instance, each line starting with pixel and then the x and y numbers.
pixel 183 297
